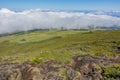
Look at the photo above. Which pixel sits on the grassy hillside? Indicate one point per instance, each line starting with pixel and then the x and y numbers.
pixel 58 45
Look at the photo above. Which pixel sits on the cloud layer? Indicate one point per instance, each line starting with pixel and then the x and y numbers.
pixel 11 21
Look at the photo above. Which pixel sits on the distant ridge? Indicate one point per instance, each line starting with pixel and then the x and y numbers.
pixel 47 29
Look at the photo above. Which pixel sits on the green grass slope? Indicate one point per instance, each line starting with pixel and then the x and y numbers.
pixel 58 45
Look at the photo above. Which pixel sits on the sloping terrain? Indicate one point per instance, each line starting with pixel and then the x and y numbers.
pixel 60 45
pixel 61 55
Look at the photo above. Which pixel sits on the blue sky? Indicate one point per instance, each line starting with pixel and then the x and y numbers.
pixel 61 4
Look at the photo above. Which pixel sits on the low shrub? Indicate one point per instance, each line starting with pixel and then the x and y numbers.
pixel 112 71
pixel 37 60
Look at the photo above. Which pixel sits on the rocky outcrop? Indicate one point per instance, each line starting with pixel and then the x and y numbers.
pixel 87 67
pixel 81 68
pixel 31 73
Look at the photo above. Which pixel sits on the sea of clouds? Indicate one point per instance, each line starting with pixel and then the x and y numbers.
pixel 11 21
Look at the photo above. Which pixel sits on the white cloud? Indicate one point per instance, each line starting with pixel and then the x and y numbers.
pixel 11 21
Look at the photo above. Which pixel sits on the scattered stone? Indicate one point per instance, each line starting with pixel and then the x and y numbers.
pixel 73 75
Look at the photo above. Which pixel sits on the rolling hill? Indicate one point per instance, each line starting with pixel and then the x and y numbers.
pixel 60 55
pixel 57 44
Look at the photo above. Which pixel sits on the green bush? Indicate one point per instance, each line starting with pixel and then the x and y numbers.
pixel 23 39
pixel 112 71
pixel 37 60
